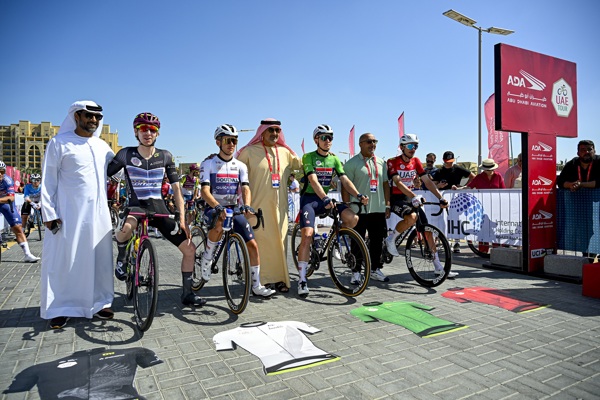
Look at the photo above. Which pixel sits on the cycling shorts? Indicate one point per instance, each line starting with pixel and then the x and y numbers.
pixel 311 206
pixel 26 208
pixel 166 226
pixel 403 206
pixel 189 203
pixel 13 218
pixel 240 223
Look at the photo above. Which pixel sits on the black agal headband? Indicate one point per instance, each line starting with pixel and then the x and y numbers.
pixel 97 108
pixel 263 122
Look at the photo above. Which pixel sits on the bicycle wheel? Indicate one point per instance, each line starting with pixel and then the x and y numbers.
pixel 419 259
pixel 296 239
pixel 145 292
pixel 482 249
pixel 236 273
pixel 38 222
pixel 114 218
pixel 199 240
pixel 347 254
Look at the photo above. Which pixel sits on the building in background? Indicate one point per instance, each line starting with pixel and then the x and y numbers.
pixel 23 145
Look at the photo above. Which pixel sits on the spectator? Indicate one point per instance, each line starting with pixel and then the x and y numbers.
pixel 513 176
pixel 270 160
pixel 582 171
pixel 294 186
pixel 488 178
pixel 76 278
pixel 451 175
pixel 430 167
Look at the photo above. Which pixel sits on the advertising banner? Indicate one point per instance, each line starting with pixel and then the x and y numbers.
pixel 497 140
pixel 541 199
pixel 534 92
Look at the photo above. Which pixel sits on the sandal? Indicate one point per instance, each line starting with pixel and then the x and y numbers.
pixel 281 287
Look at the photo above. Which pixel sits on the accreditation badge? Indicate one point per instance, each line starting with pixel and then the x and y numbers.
pixel 275 180
pixel 373 185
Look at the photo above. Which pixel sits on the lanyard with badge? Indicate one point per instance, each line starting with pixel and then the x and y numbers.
pixel 372 182
pixel 275 178
pixel 589 170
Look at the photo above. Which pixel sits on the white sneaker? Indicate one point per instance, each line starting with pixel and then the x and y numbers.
pixel 336 254
pixel 262 291
pixel 302 288
pixel 205 266
pixel 31 258
pixel 356 279
pixel 378 275
pixel 391 246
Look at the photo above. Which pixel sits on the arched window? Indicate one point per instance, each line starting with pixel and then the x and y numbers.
pixel 34 156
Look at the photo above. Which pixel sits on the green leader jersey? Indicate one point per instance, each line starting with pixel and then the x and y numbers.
pixel 407 314
pixel 324 167
pixel 368 176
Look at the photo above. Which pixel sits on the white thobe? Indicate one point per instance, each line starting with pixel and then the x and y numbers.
pixel 77 271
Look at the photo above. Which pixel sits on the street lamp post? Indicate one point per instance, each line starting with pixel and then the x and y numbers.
pixel 497 31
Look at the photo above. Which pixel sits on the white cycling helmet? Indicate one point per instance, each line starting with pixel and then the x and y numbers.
pixel 409 138
pixel 226 130
pixel 35 176
pixel 322 129
pixel 2 165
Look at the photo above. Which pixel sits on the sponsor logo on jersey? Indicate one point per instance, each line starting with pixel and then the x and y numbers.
pixel 136 161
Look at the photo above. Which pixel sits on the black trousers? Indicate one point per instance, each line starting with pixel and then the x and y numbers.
pixel 375 224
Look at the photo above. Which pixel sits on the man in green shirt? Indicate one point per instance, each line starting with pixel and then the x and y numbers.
pixel 369 175
pixel 319 168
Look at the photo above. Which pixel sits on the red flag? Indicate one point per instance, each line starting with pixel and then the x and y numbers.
pixel 302 145
pixel 351 141
pixel 497 140
pixel 400 129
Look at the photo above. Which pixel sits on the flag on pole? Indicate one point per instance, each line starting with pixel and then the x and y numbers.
pixel 497 140
pixel 351 142
pixel 302 145
pixel 400 129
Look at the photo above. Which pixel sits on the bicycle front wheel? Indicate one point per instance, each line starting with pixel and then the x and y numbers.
pixel 145 288
pixel 199 240
pixel 38 222
pixel 421 257
pixel 236 273
pixel 349 262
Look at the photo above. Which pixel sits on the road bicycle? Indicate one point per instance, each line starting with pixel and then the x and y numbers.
pixel 343 248
pixel 142 267
pixel 113 206
pixel 235 264
pixel 34 221
pixel 418 252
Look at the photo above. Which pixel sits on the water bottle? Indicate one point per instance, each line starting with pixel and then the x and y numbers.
pixel 228 223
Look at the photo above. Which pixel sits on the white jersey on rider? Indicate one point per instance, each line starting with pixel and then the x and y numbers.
pixel 224 179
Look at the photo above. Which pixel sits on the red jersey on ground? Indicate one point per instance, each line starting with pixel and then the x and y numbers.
pixel 407 171
pixel 494 297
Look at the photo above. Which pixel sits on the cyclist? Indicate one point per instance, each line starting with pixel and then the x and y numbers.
pixel 190 190
pixel 402 171
pixel 320 166
pixel 32 196
pixel 144 167
pixel 220 178
pixel 7 195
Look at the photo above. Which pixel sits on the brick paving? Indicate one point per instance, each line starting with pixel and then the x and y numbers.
pixel 552 352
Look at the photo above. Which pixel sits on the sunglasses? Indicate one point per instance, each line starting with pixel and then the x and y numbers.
pixel 274 130
pixel 146 128
pixel 90 115
pixel 2 171
pixel 326 138
pixel 35 180
pixel 430 161
pixel 412 146
pixel 370 141
pixel 229 140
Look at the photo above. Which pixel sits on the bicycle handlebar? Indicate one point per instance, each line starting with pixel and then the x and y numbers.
pixel 435 204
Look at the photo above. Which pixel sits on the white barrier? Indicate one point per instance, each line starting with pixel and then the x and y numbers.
pixel 17 204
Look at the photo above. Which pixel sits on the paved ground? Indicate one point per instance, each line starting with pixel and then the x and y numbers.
pixel 553 352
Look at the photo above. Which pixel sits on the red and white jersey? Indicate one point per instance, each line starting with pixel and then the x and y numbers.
pixel 407 171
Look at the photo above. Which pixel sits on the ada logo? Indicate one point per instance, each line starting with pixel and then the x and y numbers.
pixel 541 181
pixel 562 98
pixel 541 146
pixel 541 215
pixel 519 81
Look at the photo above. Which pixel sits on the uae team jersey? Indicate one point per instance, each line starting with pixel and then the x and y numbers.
pixel 87 374
pixel 224 179
pixel 407 171
pixel 407 314
pixel 324 167
pixel 493 297
pixel 144 177
pixel 280 346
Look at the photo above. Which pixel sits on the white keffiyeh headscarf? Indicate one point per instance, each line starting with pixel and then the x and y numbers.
pixel 69 124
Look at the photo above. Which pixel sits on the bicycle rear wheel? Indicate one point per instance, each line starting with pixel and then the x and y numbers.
pixel 347 255
pixel 38 222
pixel 236 273
pixel 145 292
pixel 114 218
pixel 482 249
pixel 199 240
pixel 420 258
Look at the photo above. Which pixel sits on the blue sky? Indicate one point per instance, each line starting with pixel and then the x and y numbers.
pixel 198 64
